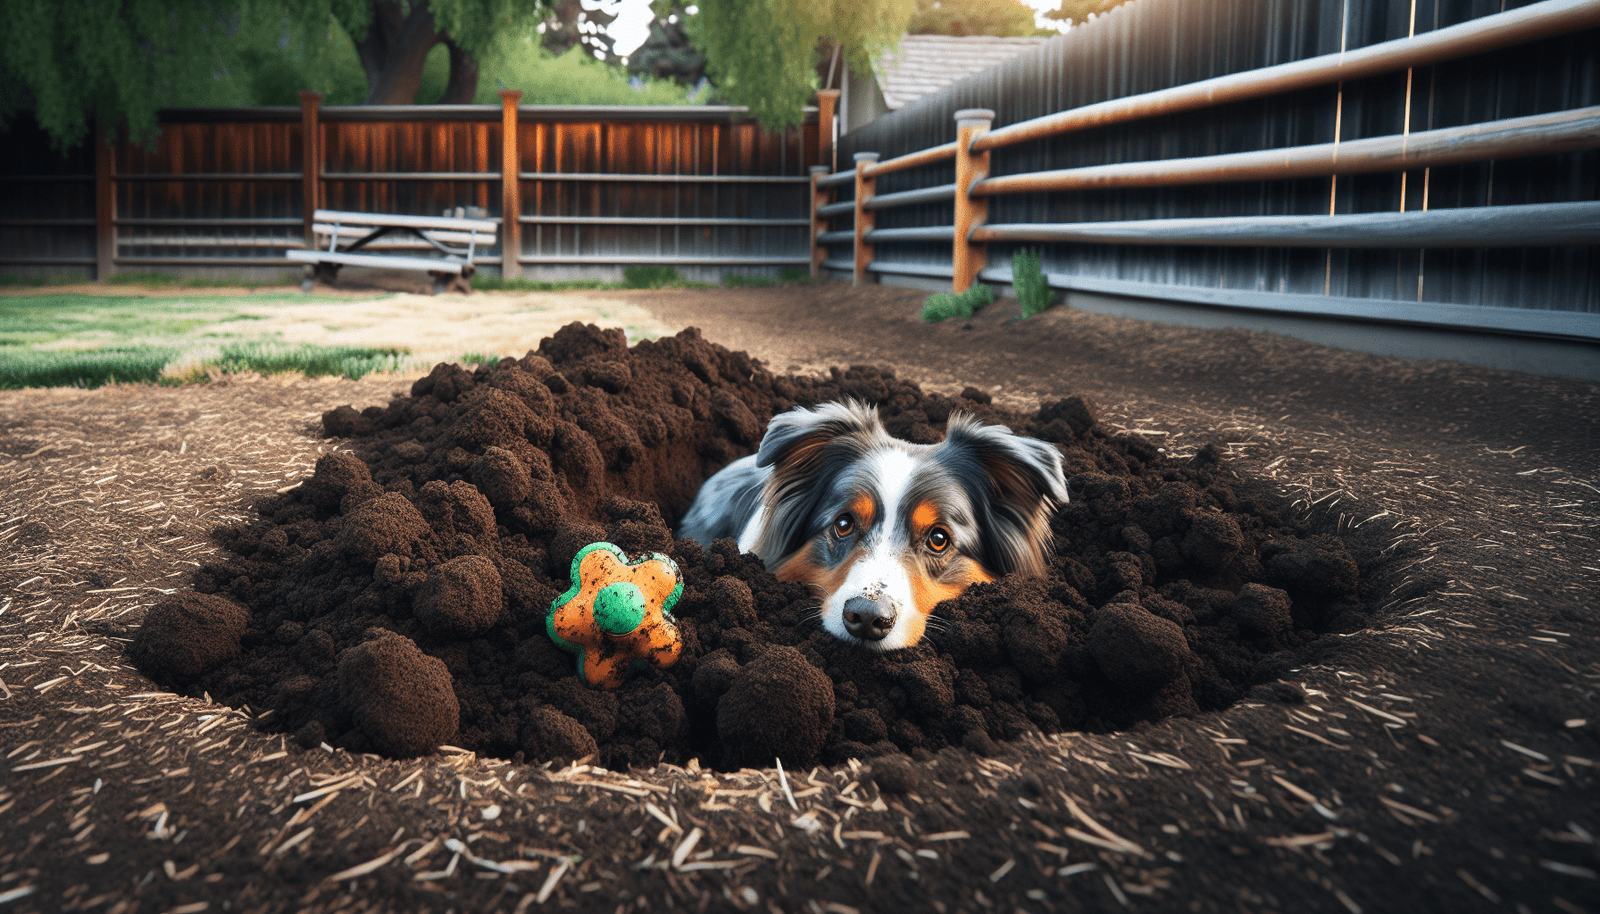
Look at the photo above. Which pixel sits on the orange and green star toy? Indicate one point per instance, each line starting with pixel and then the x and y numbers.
pixel 617 614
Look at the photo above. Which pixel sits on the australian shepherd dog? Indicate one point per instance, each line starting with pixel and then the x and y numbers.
pixel 883 528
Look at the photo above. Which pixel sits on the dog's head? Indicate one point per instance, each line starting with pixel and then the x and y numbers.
pixel 888 529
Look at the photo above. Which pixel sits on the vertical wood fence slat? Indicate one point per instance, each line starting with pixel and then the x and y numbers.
pixel 510 186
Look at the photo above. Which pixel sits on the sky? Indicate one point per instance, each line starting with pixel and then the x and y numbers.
pixel 632 25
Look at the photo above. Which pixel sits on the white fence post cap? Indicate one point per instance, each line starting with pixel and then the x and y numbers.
pixel 866 157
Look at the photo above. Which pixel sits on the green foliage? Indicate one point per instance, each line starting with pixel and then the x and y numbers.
pixel 764 53
pixel 651 276
pixel 1001 18
pixel 21 368
pixel 1079 11
pixel 121 61
pixel 518 61
pixel 479 358
pixel 500 284
pixel 52 279
pixel 1032 289
pixel 794 274
pixel 942 305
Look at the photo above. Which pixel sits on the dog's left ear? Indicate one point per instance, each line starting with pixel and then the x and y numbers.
pixel 1024 471
pixel 1025 484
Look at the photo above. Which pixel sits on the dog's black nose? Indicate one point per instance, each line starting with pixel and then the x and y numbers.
pixel 869 620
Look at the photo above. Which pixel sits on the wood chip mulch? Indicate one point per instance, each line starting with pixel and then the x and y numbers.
pixel 1443 760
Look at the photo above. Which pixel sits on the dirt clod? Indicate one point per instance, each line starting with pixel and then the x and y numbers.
pixel 397 600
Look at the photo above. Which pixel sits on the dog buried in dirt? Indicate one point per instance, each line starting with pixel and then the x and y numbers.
pixel 884 528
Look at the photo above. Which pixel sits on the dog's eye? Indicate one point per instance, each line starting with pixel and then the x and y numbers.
pixel 843 525
pixel 938 539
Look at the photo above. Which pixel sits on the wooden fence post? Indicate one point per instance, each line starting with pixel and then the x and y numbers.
pixel 311 159
pixel 105 203
pixel 864 217
pixel 967 258
pixel 819 198
pixel 827 107
pixel 510 186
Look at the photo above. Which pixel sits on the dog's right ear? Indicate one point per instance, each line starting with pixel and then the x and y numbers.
pixel 795 441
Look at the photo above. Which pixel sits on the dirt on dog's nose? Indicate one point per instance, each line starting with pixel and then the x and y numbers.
pixel 869 619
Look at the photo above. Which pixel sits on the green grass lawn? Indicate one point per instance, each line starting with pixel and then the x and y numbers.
pixel 57 339
pixel 92 340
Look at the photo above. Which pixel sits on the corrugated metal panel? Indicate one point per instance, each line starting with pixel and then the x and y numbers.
pixel 1157 44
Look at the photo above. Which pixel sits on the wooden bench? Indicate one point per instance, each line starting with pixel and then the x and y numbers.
pixel 457 239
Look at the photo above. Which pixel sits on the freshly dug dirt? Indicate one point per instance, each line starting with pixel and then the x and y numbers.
pixel 1443 758
pixel 396 601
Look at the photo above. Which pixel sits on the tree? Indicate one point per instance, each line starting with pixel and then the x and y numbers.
pixel 764 53
pixel 571 24
pixel 121 60
pixel 1076 11
pixel 1002 18
pixel 393 39
pixel 669 53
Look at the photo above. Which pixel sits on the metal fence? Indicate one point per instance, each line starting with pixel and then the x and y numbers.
pixel 595 188
pixel 1434 162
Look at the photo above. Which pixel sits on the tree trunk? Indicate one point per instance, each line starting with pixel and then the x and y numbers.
pixel 463 76
pixel 395 49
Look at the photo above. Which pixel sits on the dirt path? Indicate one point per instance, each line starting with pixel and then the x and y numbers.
pixel 1442 761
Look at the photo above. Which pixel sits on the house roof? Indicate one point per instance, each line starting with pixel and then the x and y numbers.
pixel 927 63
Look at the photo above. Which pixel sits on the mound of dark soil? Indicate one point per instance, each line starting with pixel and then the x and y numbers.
pixel 396 601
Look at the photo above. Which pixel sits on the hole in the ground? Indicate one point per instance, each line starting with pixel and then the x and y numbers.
pixel 396 601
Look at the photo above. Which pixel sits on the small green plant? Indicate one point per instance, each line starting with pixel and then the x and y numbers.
pixel 479 358
pixel 1032 289
pixel 794 274
pixel 942 305
pixel 651 276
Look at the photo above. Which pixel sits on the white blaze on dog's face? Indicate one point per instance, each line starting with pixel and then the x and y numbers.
pixel 888 529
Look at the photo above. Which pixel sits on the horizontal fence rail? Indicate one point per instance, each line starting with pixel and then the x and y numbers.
pixel 1434 173
pixel 583 185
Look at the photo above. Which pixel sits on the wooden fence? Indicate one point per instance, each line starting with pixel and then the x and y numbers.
pixel 1292 156
pixel 593 188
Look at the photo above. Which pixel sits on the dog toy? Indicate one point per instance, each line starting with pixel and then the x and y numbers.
pixel 617 614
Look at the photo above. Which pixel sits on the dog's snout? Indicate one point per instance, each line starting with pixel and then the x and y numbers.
pixel 870 619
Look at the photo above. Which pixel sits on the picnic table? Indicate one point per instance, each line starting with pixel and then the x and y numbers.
pixel 457 239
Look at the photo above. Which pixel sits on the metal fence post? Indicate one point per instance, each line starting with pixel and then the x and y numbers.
pixel 827 106
pixel 968 258
pixel 819 197
pixel 105 203
pixel 510 186
pixel 311 159
pixel 864 192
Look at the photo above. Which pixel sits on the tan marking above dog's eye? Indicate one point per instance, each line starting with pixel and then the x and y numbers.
pixel 938 539
pixel 843 525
